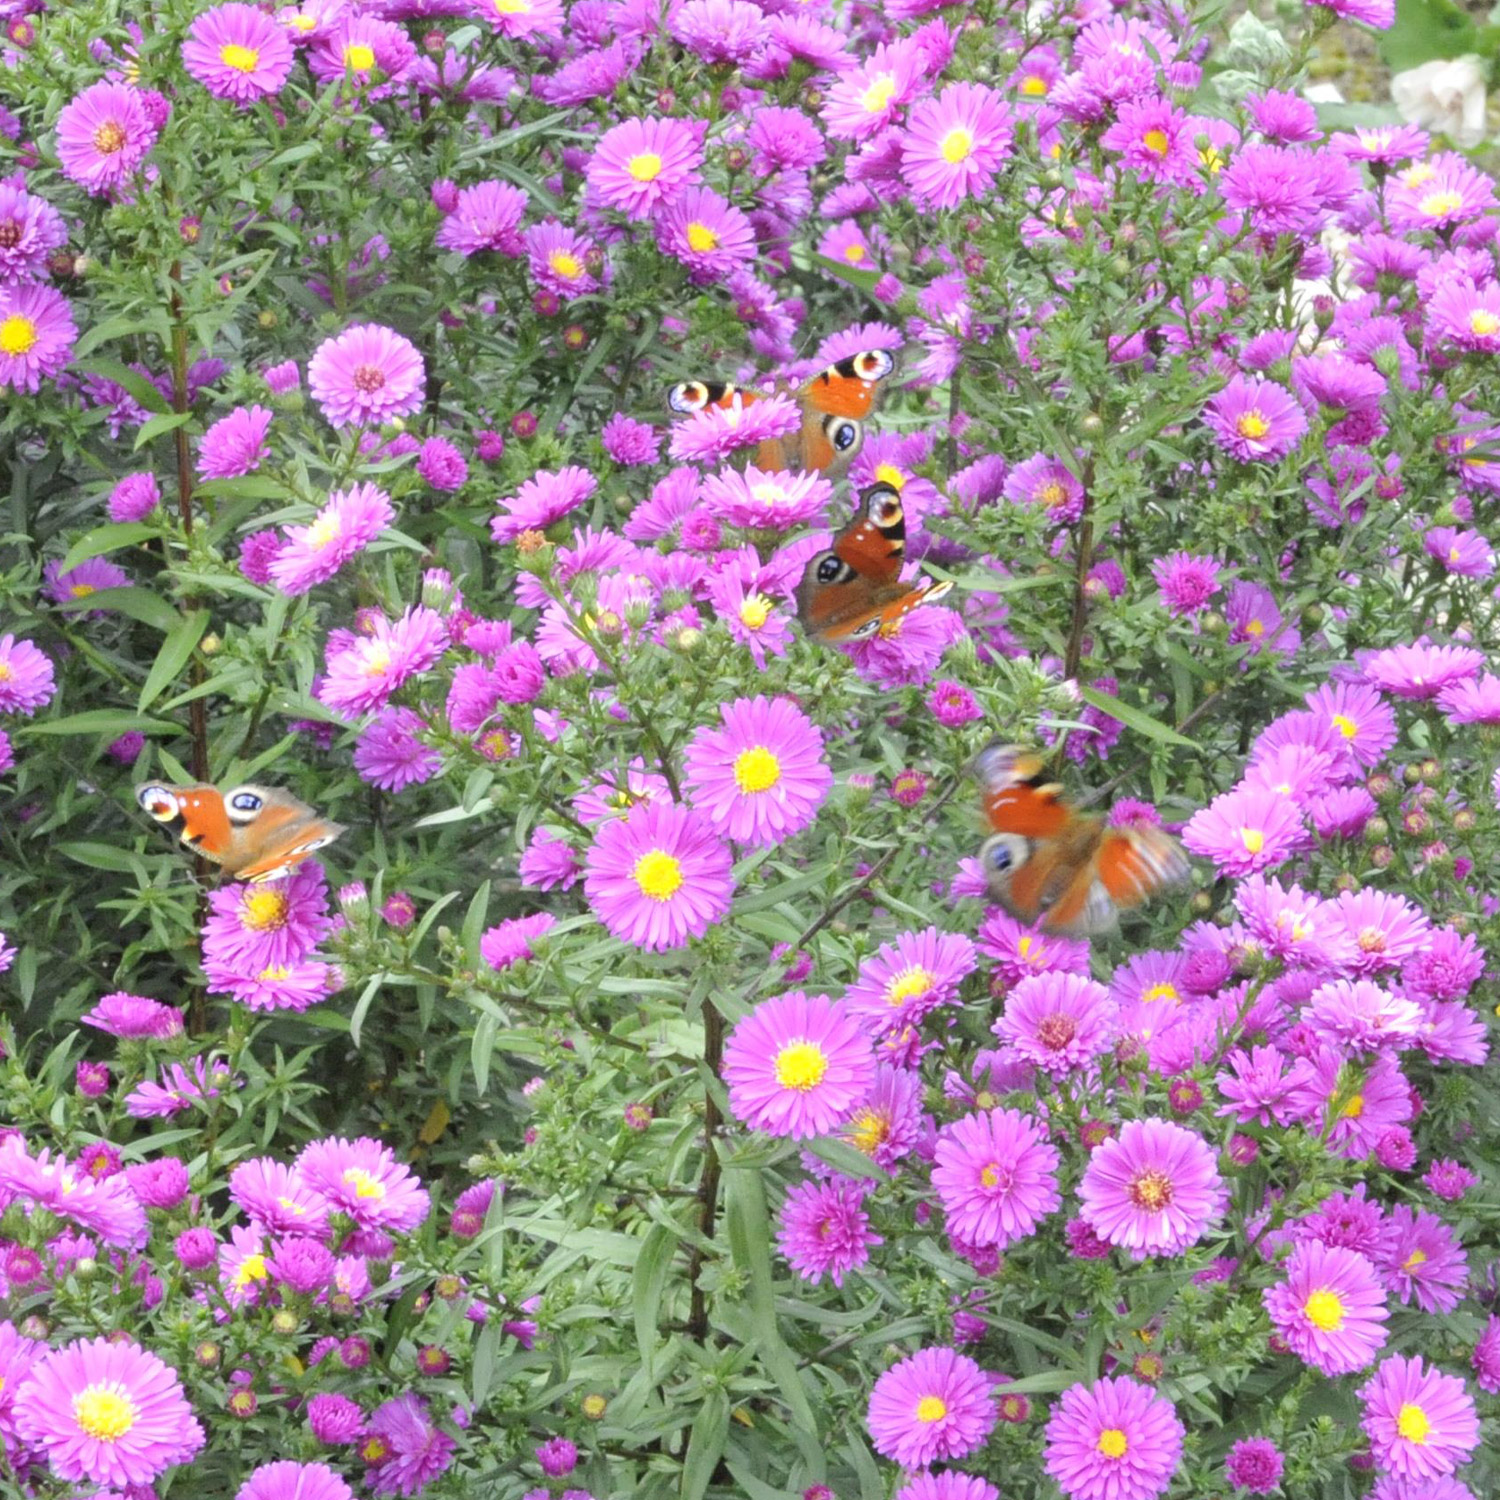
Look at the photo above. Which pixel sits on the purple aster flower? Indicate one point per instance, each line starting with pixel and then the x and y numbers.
pixel 629 442
pixel 441 464
pixel 37 334
pixel 1361 716
pixel 905 981
pixel 1187 582
pixel 719 31
pixel 277 1198
pixel 362 676
pixel 1254 1465
pixel 1246 830
pixel 824 1229
pixel 235 444
pixel 783 139
pixel 253 926
pixel 1421 670
pixel 1422 1260
pixel 707 233
pixel 640 165
pixel 935 1404
pixel 1420 1422
pixel 412 1451
pixel 558 258
pixel 955 143
pixel 1255 419
pixel 865 97
pixel 238 52
pixel 544 498
pixel 1114 1440
pixel 510 942
pixel 1473 701
pixel 287 1480
pixel 1059 1022
pixel 888 1123
pixel 366 376
pixel 26 677
pixel 487 216
pixel 996 1177
pixel 134 497
pixel 548 863
pixel 103 135
pixel 1448 1179
pixel 767 500
pixel 1047 484
pixel 30 229
pixel 363 1179
pixel 1330 1310
pixel 390 753
pixel 1486 1357
pixel 1153 1189
pixel 130 1016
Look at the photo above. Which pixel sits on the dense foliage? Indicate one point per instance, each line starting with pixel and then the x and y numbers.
pixel 643 1096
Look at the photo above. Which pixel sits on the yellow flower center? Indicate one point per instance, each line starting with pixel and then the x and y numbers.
pixel 1325 1310
pixel 511 8
pixel 1412 1423
pixel 891 475
pixel 5 671
pixel 359 57
pixel 755 611
pixel 1163 991
pixel 105 1412
pixel 1033 87
pixel 264 911
pixel 1415 1259
pixel 566 265
pixel 908 985
pixel 364 1185
pixel 1436 205
pixel 302 21
pixel 756 770
pixel 957 145
pixel 377 661
pixel 109 138
pixel 324 530
pixel 644 168
pixel 1255 628
pixel 81 590
pixel 931 1409
pixel 1253 839
pixel 868 1130
pixel 801 1066
pixel 1151 1191
pixel 1345 726
pixel 1113 1443
pixel 1212 160
pixel 1156 142
pixel 878 95
pixel 18 335
pixel 1052 493
pixel 701 238
pixel 989 1176
pixel 658 875
pixel 1483 322
pixel 252 1268
pixel 1354 1108
pixel 1252 424
pixel 241 59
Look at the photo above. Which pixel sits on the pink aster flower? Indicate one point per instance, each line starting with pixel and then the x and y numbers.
pixel 486 217
pixel 105 1206
pixel 238 52
pixel 287 1480
pixel 26 677
pixel 947 1485
pixel 510 942
pixel 30 229
pixel 1187 582
pixel 1448 1179
pixel 658 876
pixel 1019 950
pixel 955 143
pixel 1153 1189
pixel 77 584
pixel 711 435
pixel 640 165
pixel 1363 719
pixel 824 1229
pixel 1467 554
pixel 1473 701
pixel 905 981
pixel 544 498
pixel 134 497
pixel 1059 1022
pixel 1421 1423
pixel 558 259
pixel 390 753
pixel 235 444
pixel 865 98
pixel 518 18
pixel 1047 484
pixel 103 135
pixel 996 1177
pixel 1421 670
pixel 767 500
pixel 1422 1260
pixel 1446 191
pixel 362 677
pixel 253 926
pixel 37 334
pixel 1361 1017
pixel 1465 315
pixel 761 777
pixel 363 1179
pixel 362 47
pixel 1353 1103
pixel 887 1124
pixel 1114 1440
pixel 346 525
pixel 797 1065
pixel 1330 1310
pixel 412 1450
pixel 707 233
pixel 181 1088
pixel 366 376
pixel 1255 419
pixel 106 1413
pixel 1255 1465
pixel 131 1016
pixel 936 1404
pixel 1486 1358
pixel 1155 140
pixel 1246 830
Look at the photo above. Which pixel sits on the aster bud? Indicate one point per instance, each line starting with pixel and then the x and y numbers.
pixel 1092 424
pixel 688 639
pixel 608 626
pixel 1324 309
pixel 285 1322
pixel 736 158
pixel 211 644
pixel 85 1267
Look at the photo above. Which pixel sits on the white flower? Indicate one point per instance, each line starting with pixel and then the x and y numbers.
pixel 1446 94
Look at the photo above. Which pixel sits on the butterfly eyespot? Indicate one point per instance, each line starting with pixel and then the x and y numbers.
pixel 243 805
pixel 865 631
pixel 830 570
pixel 690 396
pixel 886 511
pixel 158 803
pixel 843 433
pixel 1004 854
pixel 873 364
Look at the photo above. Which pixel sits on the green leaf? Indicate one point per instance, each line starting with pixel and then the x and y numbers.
pixel 173 656
pixel 362 1007
pixel 1134 719
pixel 705 1446
pixel 481 1049
pixel 1425 30
pixel 112 721
pixel 474 919
pixel 99 856
pixel 140 604
pixel 133 381
pixel 153 427
pixel 648 1279
pixel 103 539
pixel 864 280
pixel 484 1362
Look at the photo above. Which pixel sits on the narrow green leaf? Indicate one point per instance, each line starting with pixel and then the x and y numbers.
pixel 362 1007
pixel 98 856
pixel 140 604
pixel 705 1446
pixel 1133 718
pixel 474 919
pixel 154 427
pixel 105 539
pixel 175 652
pixel 112 721
pixel 484 1362
pixel 133 381
pixel 647 1282
pixel 481 1050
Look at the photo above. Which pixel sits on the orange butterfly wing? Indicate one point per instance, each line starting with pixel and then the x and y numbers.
pixel 195 813
pixel 850 388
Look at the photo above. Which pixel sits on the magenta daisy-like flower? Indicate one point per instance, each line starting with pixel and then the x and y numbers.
pixel 363 1179
pixel 955 143
pixel 1468 554
pixel 37 334
pixel 905 981
pixel 1363 719
pixel 949 1485
pixel 996 1177
pixel 403 1449
pixel 1153 1189
pixel 105 1206
pixel 1421 1423
pixel 1060 1022
pixel 363 676
pixel 797 1065
pixel 1255 420
pixel 1255 1465
pixel 707 233
pixel 866 97
pixel 1048 484
pixel 391 754
pixel 887 1123
pixel 558 258
pixel 936 1404
pixel 658 876
pixel 1486 1357
pixel 546 497
pixel 1361 1017
pixel 312 554
pixel 711 435
pixel 510 942
pixel 26 677
pixel 1187 581
pixel 761 777
pixel 278 1198
pixel 487 217
pixel 238 52
pixel 103 135
pixel 1421 670
pixel 1422 1260
pixel 77 584
pixel 30 229
pixel 106 1413
pixel 366 376
pixel 235 444
pixel 1464 314
pixel 125 1015
pixel 517 18
pixel 243 1272
pixel 824 1229
pixel 1155 139
pixel 287 1480
pixel 1246 830
pixel 766 500
pixel 253 926
pixel 640 165
pixel 1113 1440
pixel 1330 1310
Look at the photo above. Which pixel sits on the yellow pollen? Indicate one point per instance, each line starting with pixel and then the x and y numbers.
pixel 854 254
pixel 1354 1108
pixel 1345 726
pixel 81 590
pixel 1483 322
pixel 252 1268
pixel 1113 1443
pixel 1415 1259
pixel 800 1066
pixel 5 671
pixel 1371 940
pixel 646 167
pixel 1033 86
pixel 755 611
pixel 511 8
pixel 878 95
pixel 364 1185
pixel 1324 1310
pixel 302 22
pixel 1255 628
pixel 359 57
pixel 868 1130
pixel 377 660
pixel 1051 493
pixel 1023 947
pixel 109 138
pixel 1156 142
pixel 274 974
pixel 701 238
pixel 1151 1191
pixel 1412 1423
pixel 957 146
pixel 18 335
pixel 1212 160
pixel 569 267
pixel 891 475
pixel 1252 425
pixel 658 875
pixel 908 985
pixel 324 530
pixel 989 1176
pixel 931 1409
pixel 1253 839
pixel 1436 205
pixel 756 770
pixel 105 1412
pixel 264 911
pixel 1163 991
pixel 241 59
